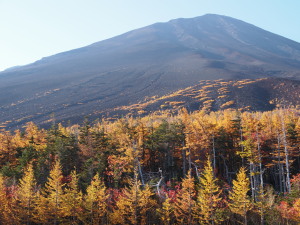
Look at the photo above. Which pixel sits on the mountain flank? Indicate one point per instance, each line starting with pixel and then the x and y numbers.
pixel 152 61
pixel 264 94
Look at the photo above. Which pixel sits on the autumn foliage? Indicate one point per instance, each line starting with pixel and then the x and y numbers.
pixel 225 167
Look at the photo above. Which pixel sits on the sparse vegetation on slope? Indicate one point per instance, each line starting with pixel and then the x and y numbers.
pixel 246 95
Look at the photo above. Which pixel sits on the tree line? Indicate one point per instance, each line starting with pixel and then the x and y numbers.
pixel 224 167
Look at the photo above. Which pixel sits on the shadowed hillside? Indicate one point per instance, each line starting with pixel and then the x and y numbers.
pixel 262 94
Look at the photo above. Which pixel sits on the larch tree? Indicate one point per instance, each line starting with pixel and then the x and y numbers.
pixel 166 212
pixel 280 120
pixel 134 205
pixel 264 203
pixel 35 137
pixel 146 204
pixel 26 196
pixel 95 204
pixel 49 203
pixel 252 151
pixel 6 212
pixel 185 201
pixel 240 202
pixel 7 148
pixel 277 154
pixel 286 150
pixel 72 201
pixel 208 208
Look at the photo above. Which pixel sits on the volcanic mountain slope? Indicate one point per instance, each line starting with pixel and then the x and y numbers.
pixel 261 94
pixel 154 60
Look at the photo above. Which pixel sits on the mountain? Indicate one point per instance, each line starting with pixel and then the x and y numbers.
pixel 263 94
pixel 155 60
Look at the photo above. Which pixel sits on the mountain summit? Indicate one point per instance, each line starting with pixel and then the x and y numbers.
pixel 154 60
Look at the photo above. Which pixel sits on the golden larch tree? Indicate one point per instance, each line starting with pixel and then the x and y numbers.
pixel 208 208
pixel 134 205
pixel 72 201
pixel 49 203
pixel 240 202
pixel 6 212
pixel 35 137
pixel 26 196
pixel 95 202
pixel 166 212
pixel 185 201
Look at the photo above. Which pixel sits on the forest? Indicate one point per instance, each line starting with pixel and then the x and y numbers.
pixel 223 167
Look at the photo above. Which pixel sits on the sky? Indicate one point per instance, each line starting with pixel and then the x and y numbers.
pixel 32 29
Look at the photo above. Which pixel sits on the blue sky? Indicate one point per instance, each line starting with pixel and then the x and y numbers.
pixel 32 29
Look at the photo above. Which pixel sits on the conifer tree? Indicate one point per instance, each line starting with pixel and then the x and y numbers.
pixel 35 137
pixel 264 203
pixel 133 206
pixel 208 205
pixel 185 202
pixel 95 202
pixel 72 201
pixel 49 203
pixel 240 203
pixel 7 148
pixel 26 196
pixel 166 212
pixel 146 204
pixel 6 213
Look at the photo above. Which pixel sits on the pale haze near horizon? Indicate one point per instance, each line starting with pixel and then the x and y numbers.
pixel 33 29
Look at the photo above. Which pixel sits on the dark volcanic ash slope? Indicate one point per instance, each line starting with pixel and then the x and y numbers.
pixel 153 60
pixel 261 94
